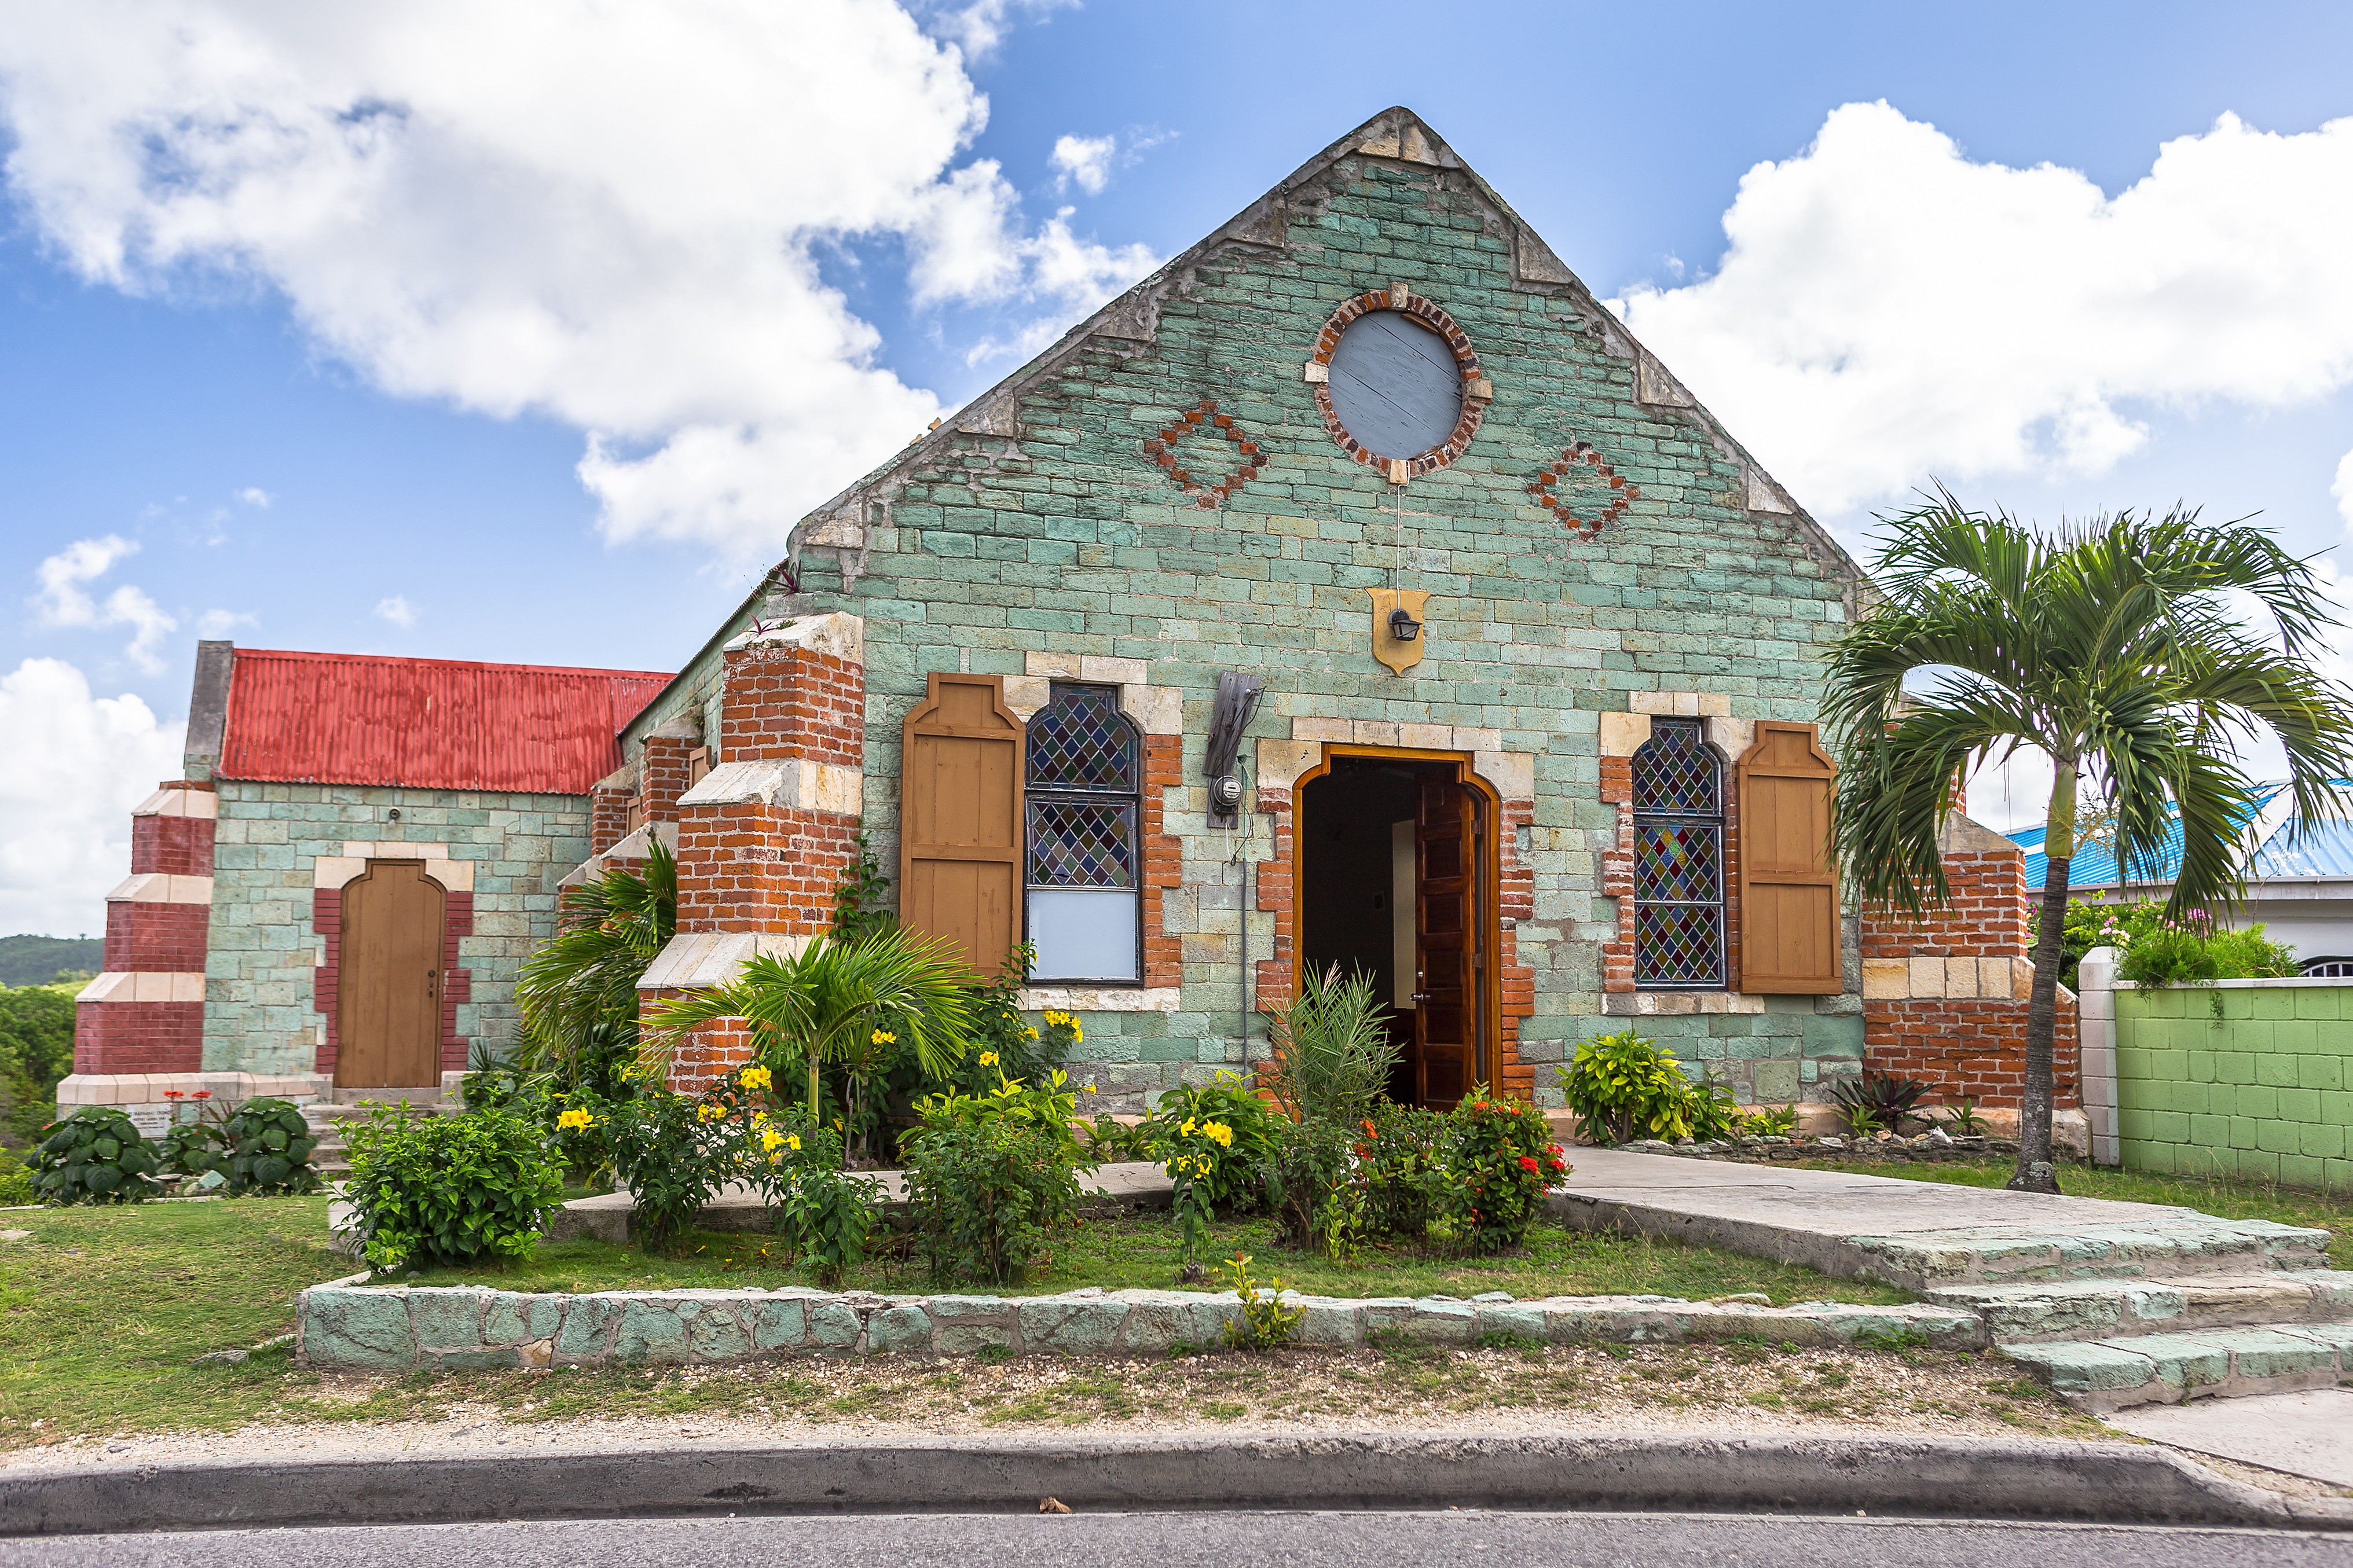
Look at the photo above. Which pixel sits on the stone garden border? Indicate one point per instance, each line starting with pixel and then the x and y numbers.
pixel 359 1328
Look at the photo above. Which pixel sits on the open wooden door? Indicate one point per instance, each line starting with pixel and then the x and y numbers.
pixel 388 981
pixel 1445 931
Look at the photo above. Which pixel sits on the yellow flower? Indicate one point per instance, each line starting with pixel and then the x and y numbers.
pixel 988 1058
pixel 710 1112
pixel 1077 1034
pixel 1028 1033
pixel 794 1142
pixel 1219 1133
pixel 759 1119
pixel 1186 1131
pixel 574 1120
pixel 885 1038
pixel 771 1141
pixel 754 1078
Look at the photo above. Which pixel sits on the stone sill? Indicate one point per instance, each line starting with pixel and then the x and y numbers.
pixel 1676 1003
pixel 1102 998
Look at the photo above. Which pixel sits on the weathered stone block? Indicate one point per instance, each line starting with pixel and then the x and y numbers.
pixel 836 1329
pixel 651 1330
pixel 778 1325
pixel 446 1318
pixel 358 1329
pixel 902 1330
pixel 717 1333
pixel 1073 1325
pixel 965 1325
pixel 587 1330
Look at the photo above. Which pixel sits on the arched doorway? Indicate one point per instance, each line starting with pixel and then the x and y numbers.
pixel 389 979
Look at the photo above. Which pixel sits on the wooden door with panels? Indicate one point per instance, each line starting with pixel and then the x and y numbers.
pixel 960 838
pixel 1447 949
pixel 1788 876
pixel 389 979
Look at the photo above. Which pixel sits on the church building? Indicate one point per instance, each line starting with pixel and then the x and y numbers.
pixel 1353 591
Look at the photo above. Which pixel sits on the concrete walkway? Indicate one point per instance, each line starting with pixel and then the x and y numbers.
pixel 1914 1235
pixel 2308 1433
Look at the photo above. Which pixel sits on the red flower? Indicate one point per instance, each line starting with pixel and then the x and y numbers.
pixel 204 1094
pixel 1528 1164
pixel 175 1094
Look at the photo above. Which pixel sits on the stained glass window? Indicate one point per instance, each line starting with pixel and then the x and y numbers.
pixel 1678 859
pixel 1083 799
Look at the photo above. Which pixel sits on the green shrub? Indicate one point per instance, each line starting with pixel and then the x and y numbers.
pixel 191 1148
pixel 673 1153
pixel 36 1031
pixel 1311 1181
pixel 1236 1178
pixel 16 1182
pixel 1860 1119
pixel 991 1177
pixel 1714 1112
pixel 1497 1160
pixel 1771 1121
pixel 450 1189
pixel 1265 1322
pixel 824 1213
pixel 1110 1142
pixel 1624 1087
pixel 96 1156
pixel 1962 1119
pixel 269 1147
pixel 1397 1160
pixel 1888 1100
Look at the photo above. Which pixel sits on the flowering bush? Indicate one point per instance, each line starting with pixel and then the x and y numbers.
pixel 1191 1150
pixel 450 1189
pixel 993 1176
pixel 94 1155
pixel 1236 1159
pixel 674 1152
pixel 1396 1159
pixel 1497 1160
pixel 824 1213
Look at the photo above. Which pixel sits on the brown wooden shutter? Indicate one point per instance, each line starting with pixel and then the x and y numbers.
pixel 1788 886
pixel 960 838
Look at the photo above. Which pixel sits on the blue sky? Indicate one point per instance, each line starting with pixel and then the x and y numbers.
pixel 204 392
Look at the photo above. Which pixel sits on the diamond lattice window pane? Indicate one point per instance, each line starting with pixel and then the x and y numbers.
pixel 1675 773
pixel 1678 862
pixel 1678 944
pixel 1079 740
pixel 1081 844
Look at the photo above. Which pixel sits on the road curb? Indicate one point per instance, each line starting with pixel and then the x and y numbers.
pixel 1937 1478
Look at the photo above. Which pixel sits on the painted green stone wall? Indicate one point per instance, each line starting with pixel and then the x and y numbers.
pixel 262 952
pixel 2264 1091
pixel 1061 536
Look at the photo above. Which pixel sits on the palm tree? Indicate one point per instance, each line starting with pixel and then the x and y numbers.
pixel 578 991
pixel 828 1004
pixel 2119 649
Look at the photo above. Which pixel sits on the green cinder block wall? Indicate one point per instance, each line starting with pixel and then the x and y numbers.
pixel 2263 1087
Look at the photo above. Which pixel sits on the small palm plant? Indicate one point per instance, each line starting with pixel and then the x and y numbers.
pixel 2119 649
pixel 844 1004
pixel 578 991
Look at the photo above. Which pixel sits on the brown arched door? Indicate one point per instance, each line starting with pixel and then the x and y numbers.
pixel 388 984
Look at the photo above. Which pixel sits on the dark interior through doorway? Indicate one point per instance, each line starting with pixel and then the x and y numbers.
pixel 1389 887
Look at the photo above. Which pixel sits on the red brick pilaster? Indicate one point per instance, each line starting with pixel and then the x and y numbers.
pixel 608 812
pixel 146 1012
pixel 661 770
pixel 1164 859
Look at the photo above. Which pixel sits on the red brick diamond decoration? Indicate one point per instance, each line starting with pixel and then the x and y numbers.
pixel 1546 489
pixel 1205 418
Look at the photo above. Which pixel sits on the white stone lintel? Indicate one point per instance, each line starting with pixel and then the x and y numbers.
pixel 700 961
pixel 162 887
pixel 199 802
pixel 785 784
pixel 143 985
pixel 1102 999
pixel 840 634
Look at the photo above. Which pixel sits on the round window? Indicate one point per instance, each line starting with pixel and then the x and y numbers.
pixel 1394 385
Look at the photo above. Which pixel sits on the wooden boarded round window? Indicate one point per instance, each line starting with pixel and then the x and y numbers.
pixel 1395 385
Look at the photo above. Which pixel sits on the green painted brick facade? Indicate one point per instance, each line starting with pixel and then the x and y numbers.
pixel 262 951
pixel 2263 1089
pixel 1036 522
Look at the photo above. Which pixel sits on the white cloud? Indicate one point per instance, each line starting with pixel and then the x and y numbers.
pixel 254 495
pixel 1081 271
pixel 978 26
pixel 72 770
pixel 605 214
pixel 64 601
pixel 213 624
pixel 1086 159
pixel 1888 309
pixel 2343 489
pixel 398 610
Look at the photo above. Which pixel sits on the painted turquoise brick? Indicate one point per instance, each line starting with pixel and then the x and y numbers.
pixel 2302 1105
pixel 2320 1143
pixel 2297 1170
pixel 2320 1072
pixel 2318 1002
pixel 2275 1070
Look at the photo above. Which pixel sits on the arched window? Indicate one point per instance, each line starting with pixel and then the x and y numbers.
pixel 1082 794
pixel 1678 859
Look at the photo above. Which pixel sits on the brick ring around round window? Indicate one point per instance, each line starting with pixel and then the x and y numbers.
pixel 1204 418
pixel 1582 454
pixel 1425 312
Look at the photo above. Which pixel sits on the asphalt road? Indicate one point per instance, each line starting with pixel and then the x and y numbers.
pixel 1206 1540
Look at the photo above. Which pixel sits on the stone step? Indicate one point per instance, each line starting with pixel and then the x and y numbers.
pixel 2168 1244
pixel 2109 1309
pixel 2104 1374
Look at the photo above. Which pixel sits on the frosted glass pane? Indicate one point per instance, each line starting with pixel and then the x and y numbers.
pixel 1083 933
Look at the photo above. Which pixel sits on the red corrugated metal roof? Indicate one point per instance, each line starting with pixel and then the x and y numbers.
pixel 427 723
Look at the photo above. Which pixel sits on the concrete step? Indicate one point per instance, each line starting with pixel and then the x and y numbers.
pixel 2104 1374
pixel 2108 1309
pixel 2168 1243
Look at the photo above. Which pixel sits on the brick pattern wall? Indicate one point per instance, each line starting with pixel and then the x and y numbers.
pixel 138 1037
pixel 1945 993
pixel 2248 1079
pixel 1052 531
pixel 1164 859
pixel 181 846
pixel 608 818
pixel 661 777
pixel 148 936
pixel 262 1014
pixel 786 703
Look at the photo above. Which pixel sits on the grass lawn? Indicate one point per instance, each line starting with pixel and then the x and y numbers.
pixel 2228 1197
pixel 1141 1252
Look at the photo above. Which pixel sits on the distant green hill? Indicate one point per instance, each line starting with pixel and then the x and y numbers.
pixel 38 960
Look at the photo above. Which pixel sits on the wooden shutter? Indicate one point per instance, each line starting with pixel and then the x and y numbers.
pixel 1788 886
pixel 960 835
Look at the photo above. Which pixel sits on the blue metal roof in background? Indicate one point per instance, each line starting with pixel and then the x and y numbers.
pixel 2326 849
